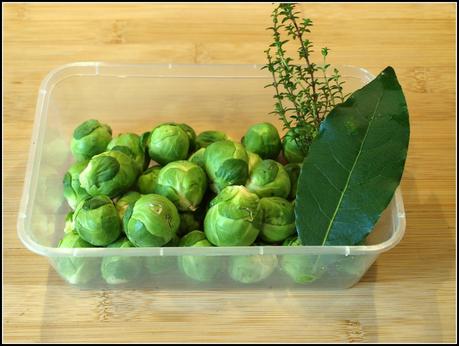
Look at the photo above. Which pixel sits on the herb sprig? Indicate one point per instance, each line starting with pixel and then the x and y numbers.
pixel 305 92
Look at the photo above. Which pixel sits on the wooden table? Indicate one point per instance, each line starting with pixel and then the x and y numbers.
pixel 408 294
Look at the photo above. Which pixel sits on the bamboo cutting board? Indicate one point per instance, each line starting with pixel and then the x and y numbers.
pixel 409 293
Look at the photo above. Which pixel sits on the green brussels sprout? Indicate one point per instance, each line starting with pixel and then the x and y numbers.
pixel 292 150
pixel 190 133
pixel 69 227
pixel 263 139
pixel 117 270
pixel 234 217
pixel 90 138
pixel 254 159
pixel 251 269
pixel 184 183
pixel 76 270
pixel 204 139
pixel 96 220
pixel 199 268
pixel 73 192
pixel 293 171
pixel 301 268
pixel 278 219
pixel 147 181
pixel 130 144
pixel 152 220
pixel 269 178
pixel 192 238
pixel 174 242
pixel 198 158
pixel 188 222
pixel 124 201
pixel 226 164
pixel 167 143
pixel 144 139
pixel 110 173
pixel 191 136
pixel 201 212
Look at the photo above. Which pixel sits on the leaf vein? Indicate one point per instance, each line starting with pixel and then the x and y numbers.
pixel 318 204
pixel 336 159
pixel 326 177
pixel 352 169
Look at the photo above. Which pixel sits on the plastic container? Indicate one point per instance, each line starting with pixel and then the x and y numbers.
pixel 136 98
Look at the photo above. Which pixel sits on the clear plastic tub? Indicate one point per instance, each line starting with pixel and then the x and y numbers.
pixel 135 98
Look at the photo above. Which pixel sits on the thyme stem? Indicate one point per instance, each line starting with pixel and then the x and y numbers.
pixel 302 100
pixel 309 69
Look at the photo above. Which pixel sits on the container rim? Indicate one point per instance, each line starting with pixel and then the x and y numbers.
pixel 100 67
pixel 23 221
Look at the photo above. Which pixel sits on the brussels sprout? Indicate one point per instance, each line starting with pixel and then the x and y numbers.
pixel 201 212
pixel 73 192
pixel 301 268
pixel 254 159
pixel 192 238
pixel 90 138
pixel 144 139
pixel 96 220
pixel 269 178
pixel 204 139
pixel 291 147
pixel 263 139
pixel 226 164
pixel 76 270
pixel 120 269
pixel 198 158
pixel 234 217
pixel 124 201
pixel 188 222
pixel 69 227
pixel 174 242
pixel 151 221
pixel 184 183
pixel 147 181
pixel 110 173
pixel 191 136
pixel 168 142
pixel 199 268
pixel 252 269
pixel 278 219
pixel 190 133
pixel 293 171
pixel 131 144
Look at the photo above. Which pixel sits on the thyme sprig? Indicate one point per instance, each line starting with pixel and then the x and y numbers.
pixel 305 92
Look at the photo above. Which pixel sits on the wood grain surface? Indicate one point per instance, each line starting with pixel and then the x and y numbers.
pixel 409 293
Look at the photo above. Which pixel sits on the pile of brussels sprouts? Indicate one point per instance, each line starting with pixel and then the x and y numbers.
pixel 171 187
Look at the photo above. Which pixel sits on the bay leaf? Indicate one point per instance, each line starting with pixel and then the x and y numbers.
pixel 354 165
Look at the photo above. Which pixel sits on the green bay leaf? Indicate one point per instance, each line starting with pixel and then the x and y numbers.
pixel 354 165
